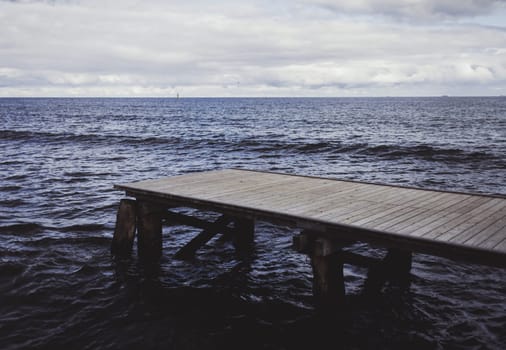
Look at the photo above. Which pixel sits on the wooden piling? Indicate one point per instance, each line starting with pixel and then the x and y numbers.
pixel 149 228
pixel 124 232
pixel 394 268
pixel 327 264
pixel 328 280
pixel 244 235
pixel 398 263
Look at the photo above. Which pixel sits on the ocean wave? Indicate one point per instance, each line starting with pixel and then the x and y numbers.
pixel 428 152
pixel 24 228
pixel 12 203
pixel 385 151
pixel 52 137
pixel 267 146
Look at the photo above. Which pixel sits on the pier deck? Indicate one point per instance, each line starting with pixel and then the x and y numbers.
pixel 330 213
pixel 455 225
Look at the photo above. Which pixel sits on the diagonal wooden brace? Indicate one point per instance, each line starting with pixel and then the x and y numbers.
pixel 188 251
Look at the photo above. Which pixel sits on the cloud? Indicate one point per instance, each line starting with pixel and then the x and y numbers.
pixel 413 9
pixel 155 48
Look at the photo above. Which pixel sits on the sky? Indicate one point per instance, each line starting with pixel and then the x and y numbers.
pixel 260 48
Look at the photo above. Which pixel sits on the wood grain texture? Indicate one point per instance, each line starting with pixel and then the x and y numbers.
pixel 452 224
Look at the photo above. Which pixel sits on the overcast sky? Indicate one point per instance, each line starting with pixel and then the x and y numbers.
pixel 252 48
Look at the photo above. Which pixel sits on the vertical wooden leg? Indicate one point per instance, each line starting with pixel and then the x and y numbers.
pixel 398 263
pixel 124 232
pixel 398 267
pixel 149 222
pixel 395 267
pixel 328 279
pixel 327 262
pixel 245 234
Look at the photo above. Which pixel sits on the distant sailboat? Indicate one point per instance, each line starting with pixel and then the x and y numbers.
pixel 177 96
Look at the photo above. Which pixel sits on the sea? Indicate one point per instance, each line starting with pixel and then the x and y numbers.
pixel 60 287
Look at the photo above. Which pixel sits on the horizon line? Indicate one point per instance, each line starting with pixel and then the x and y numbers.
pixel 239 97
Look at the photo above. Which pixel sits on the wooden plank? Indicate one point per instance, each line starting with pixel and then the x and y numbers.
pixel 501 246
pixel 497 227
pixel 366 212
pixel 276 194
pixel 379 208
pixel 157 184
pixel 336 200
pixel 443 211
pixel 336 214
pixel 197 185
pixel 214 191
pixel 447 232
pixel 411 212
pixel 307 203
pixel 266 196
pixel 481 224
pixel 449 219
pixel 494 239
pixel 222 184
pixel 397 209
pixel 411 196
pixel 308 206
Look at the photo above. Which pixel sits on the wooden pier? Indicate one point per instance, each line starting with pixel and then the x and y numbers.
pixel 331 215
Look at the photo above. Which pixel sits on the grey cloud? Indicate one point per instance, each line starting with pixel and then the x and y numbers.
pixel 413 10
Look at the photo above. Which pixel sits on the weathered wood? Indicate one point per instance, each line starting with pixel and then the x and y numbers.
pixel 178 218
pixel 327 259
pixel 465 223
pixel 188 251
pixel 395 268
pixel 328 279
pixel 149 229
pixel 244 235
pixel 398 263
pixel 312 242
pixel 492 240
pixel 327 266
pixel 448 224
pixel 124 231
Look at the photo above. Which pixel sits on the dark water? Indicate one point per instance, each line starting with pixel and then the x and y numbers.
pixel 60 287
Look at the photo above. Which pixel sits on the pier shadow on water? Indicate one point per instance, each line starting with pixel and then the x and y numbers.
pixel 232 312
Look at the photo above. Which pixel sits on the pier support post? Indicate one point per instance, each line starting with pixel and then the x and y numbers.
pixel 395 267
pixel 124 231
pixel 398 263
pixel 244 234
pixel 328 279
pixel 327 264
pixel 149 222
